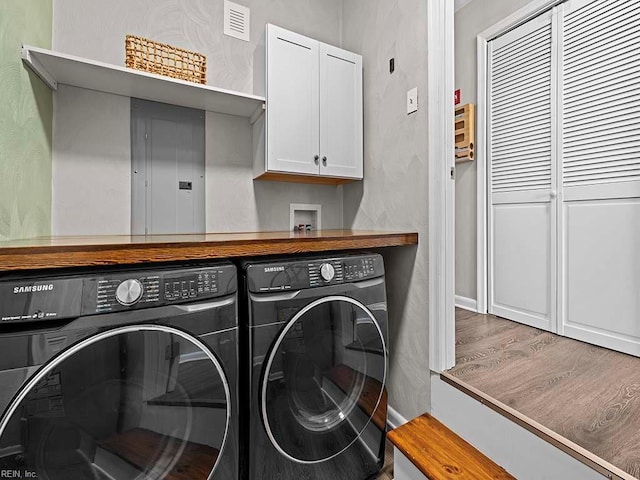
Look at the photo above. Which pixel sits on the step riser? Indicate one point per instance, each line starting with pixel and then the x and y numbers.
pixel 520 452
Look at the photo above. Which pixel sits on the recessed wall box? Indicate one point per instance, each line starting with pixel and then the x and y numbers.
pixel 305 215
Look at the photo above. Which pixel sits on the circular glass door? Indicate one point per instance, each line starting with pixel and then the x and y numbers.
pixel 323 379
pixel 138 402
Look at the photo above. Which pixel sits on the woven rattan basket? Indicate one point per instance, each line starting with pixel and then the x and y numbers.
pixel 155 57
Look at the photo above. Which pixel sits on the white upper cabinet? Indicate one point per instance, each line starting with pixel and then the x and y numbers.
pixel 340 113
pixel 292 109
pixel 314 111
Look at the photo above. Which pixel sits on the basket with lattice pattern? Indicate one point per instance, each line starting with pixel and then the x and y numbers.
pixel 163 59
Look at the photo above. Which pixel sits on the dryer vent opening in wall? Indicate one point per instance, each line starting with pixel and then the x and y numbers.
pixel 236 21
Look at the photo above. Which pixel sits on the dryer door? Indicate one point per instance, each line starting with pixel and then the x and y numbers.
pixel 323 381
pixel 136 402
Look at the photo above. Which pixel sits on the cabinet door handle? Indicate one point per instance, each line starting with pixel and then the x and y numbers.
pixel 324 161
pixel 316 158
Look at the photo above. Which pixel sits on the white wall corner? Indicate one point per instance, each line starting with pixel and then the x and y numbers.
pixel 441 186
pixel 466 303
pixel 394 418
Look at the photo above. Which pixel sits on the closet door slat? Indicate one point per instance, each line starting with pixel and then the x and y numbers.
pixel 601 93
pixel 520 112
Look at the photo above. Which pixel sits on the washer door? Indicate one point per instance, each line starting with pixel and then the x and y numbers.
pixel 137 402
pixel 323 379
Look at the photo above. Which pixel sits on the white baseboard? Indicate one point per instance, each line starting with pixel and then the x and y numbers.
pixel 394 419
pixel 466 303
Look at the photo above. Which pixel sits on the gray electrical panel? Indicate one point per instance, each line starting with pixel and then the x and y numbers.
pixel 167 169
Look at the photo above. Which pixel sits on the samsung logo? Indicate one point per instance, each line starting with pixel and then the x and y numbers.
pixel 273 269
pixel 33 288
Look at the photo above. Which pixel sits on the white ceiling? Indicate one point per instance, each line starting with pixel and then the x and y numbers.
pixel 460 3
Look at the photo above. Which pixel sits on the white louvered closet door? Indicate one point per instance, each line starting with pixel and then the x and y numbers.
pixel 600 215
pixel 522 174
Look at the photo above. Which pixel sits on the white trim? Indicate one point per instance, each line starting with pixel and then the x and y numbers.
pixel 531 10
pixel 441 185
pixel 394 418
pixel 466 303
pixel 481 187
pixel 560 294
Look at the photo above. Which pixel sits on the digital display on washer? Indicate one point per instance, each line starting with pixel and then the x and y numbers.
pixel 359 268
pixel 182 287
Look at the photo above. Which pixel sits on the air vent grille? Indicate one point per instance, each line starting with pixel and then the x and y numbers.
pixel 236 21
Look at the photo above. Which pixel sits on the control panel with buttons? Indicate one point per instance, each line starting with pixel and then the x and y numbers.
pixel 115 292
pixel 327 272
pixel 183 287
pixel 315 272
pixel 359 268
pixel 34 298
pixel 118 292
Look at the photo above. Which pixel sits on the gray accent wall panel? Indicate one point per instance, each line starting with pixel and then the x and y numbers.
pixel 91 177
pixel 96 29
pixel 394 194
pixel 237 203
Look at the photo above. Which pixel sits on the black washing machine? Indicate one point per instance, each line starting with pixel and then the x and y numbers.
pixel 120 374
pixel 313 368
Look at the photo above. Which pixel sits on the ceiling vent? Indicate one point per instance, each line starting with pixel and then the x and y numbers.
pixel 236 20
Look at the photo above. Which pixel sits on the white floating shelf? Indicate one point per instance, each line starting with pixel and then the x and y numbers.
pixel 58 68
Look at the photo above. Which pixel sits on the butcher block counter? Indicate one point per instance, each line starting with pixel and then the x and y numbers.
pixel 62 252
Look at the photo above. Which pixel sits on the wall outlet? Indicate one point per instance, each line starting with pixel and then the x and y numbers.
pixel 412 100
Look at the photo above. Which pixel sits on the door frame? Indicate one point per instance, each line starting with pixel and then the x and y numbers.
pixel 519 17
pixel 440 62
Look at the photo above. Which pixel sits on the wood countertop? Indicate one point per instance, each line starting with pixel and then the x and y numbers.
pixel 61 252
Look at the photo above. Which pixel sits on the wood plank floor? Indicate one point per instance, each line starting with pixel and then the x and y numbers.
pixel 587 394
pixel 387 470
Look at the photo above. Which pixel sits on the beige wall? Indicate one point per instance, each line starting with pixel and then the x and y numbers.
pixel 25 123
pixel 91 146
pixel 393 195
pixel 472 19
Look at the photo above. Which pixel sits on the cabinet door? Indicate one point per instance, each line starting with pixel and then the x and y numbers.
pixel 340 113
pixel 292 102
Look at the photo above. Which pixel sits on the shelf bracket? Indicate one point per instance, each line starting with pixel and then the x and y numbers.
pixel 257 114
pixel 38 69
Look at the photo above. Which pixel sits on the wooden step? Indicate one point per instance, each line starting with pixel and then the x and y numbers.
pixel 440 454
